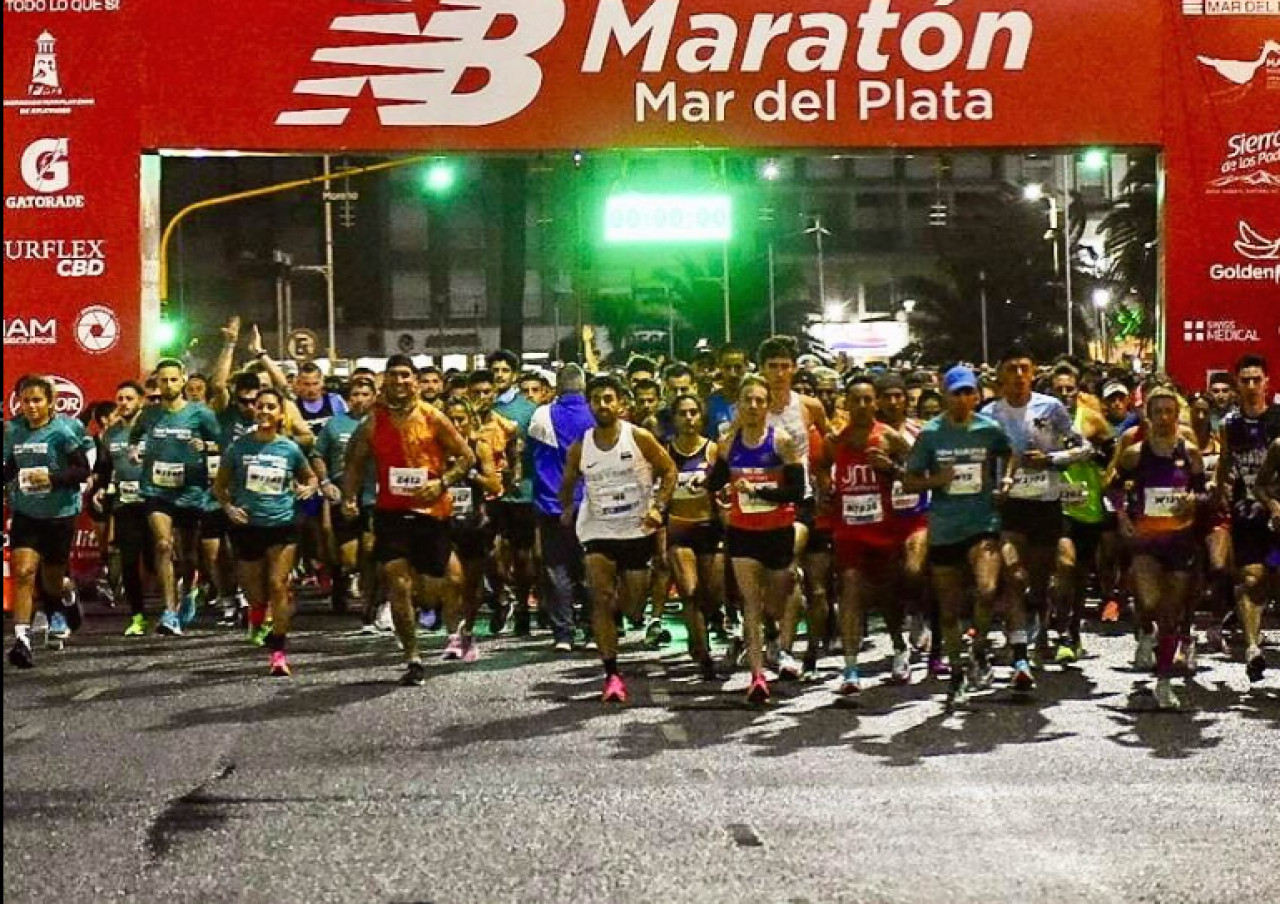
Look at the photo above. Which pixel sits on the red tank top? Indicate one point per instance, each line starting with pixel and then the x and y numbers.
pixel 408 456
pixel 863 502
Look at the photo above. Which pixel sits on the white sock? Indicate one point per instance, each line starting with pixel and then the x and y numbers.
pixel 22 633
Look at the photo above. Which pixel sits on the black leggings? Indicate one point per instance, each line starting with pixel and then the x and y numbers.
pixel 133 539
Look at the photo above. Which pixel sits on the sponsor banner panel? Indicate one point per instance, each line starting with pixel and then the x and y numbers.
pixel 513 74
pixel 1222 207
pixel 71 147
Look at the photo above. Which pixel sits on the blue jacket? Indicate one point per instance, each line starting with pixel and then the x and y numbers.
pixel 553 430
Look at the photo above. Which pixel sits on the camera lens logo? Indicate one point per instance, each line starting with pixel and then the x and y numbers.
pixel 97 329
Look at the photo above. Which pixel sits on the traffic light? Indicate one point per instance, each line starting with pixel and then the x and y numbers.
pixel 439 177
pixel 168 333
pixel 938 214
pixel 1094 160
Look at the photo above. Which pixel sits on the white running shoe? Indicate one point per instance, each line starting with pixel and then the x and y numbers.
pixel 901 673
pixel 1144 660
pixel 1165 697
pixel 384 621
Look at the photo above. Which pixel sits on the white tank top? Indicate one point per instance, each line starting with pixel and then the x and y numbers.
pixel 619 484
pixel 791 419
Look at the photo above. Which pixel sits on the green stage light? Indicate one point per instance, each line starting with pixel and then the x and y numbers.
pixel 635 217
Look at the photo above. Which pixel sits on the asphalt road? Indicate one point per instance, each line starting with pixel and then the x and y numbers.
pixel 175 770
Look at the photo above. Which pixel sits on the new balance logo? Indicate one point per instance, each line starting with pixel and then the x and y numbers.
pixel 418 81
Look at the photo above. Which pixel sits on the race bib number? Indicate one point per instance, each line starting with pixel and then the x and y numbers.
pixel 406 481
pixel 1031 485
pixel 902 500
pixel 1161 502
pixel 169 475
pixel 967 479
pixel 863 509
pixel 1074 494
pixel 266 481
pixel 34 481
pixel 691 485
pixel 129 492
pixel 214 464
pixel 463 501
pixel 615 501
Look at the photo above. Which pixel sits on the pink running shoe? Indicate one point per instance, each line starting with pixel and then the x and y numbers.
pixel 279 665
pixel 470 649
pixel 758 692
pixel 453 649
pixel 615 690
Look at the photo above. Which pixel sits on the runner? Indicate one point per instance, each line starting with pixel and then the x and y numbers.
pixel 867 457
pixel 1267 489
pixel 503 438
pixel 764 469
pixel 552 432
pixel 795 414
pixel 515 563
pixel 121 480
pixel 1090 542
pixel 909 511
pixel 262 477
pixel 956 456
pixel 693 533
pixel 619 513
pixel 45 462
pixel 722 404
pixel 1161 476
pixel 1047 443
pixel 408 442
pixel 352 537
pixel 1244 437
pixel 471 531
pixel 172 442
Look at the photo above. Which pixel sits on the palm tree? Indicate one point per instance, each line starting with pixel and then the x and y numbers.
pixel 1131 251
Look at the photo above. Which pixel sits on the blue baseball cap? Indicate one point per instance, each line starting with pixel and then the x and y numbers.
pixel 960 377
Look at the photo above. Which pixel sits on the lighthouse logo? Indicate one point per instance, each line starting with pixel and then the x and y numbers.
pixel 46 93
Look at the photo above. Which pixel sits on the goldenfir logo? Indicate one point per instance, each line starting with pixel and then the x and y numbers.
pixel 70 257
pixel 418 82
pixel 30 331
pixel 46 168
pixel 1212 332
pixel 45 94
pixel 1231 7
pixel 1251 164
pixel 1252 246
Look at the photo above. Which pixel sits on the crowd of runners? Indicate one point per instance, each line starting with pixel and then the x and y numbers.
pixel 772 500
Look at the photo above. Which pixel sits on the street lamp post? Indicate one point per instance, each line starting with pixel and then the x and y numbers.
pixel 1101 299
pixel 818 232
pixel 1062 270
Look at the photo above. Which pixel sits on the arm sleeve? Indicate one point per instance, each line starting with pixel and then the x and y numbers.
pixel 718 476
pixel 105 466
pixel 76 472
pixel 792 489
